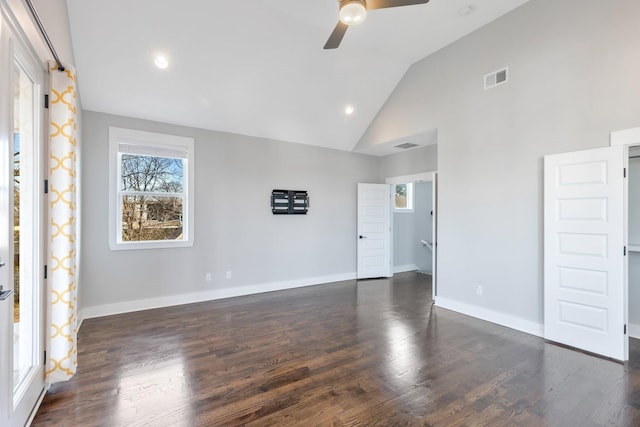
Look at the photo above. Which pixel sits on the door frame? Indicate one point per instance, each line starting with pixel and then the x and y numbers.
pixel 626 138
pixel 19 37
pixel 413 179
pixel 33 391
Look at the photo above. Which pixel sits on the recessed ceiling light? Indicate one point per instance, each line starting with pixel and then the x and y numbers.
pixel 349 110
pixel 464 11
pixel 161 62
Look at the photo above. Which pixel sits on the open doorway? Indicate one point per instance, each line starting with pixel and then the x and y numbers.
pixel 630 139
pixel 414 224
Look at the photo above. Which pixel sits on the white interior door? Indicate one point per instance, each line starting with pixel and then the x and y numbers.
pixel 374 231
pixel 584 251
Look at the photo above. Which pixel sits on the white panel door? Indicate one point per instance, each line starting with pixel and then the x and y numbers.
pixel 584 251
pixel 23 127
pixel 374 231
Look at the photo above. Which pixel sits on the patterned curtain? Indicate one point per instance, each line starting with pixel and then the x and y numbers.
pixel 62 280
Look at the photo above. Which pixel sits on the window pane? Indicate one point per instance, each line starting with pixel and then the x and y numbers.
pixel 149 173
pixel 151 193
pixel 25 218
pixel 151 218
pixel 401 196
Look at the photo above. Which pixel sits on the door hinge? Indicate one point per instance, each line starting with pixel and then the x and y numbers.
pixel 45 271
pixel 46 186
pixel 625 329
pixel 625 251
pixel 46 101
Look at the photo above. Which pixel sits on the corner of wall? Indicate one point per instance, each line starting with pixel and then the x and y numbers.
pixel 193 297
pixel 496 317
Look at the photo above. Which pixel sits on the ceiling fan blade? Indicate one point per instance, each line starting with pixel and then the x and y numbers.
pixel 336 36
pixel 382 4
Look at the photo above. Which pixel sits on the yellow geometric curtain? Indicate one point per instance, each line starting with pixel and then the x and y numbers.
pixel 62 278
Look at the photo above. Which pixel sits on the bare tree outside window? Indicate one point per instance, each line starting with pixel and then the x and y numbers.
pixel 151 190
pixel 152 197
pixel 401 196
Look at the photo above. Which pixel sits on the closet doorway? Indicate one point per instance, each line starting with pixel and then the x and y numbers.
pixel 631 139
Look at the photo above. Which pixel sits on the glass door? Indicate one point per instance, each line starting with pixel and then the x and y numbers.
pixel 23 248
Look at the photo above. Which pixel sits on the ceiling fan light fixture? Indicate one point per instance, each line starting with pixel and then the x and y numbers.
pixel 161 62
pixel 352 12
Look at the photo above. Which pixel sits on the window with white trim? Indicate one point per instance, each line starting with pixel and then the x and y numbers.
pixel 151 190
pixel 403 197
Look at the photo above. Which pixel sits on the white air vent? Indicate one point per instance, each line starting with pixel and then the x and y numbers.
pixel 406 145
pixel 496 78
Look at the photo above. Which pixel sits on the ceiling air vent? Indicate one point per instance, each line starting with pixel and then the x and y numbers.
pixel 406 145
pixel 496 78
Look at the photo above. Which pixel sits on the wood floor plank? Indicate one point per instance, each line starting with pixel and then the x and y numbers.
pixel 357 353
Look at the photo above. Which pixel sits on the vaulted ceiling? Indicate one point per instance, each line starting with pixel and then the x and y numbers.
pixel 257 67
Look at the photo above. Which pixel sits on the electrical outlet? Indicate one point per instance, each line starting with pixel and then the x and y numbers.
pixel 208 277
pixel 228 274
pixel 479 291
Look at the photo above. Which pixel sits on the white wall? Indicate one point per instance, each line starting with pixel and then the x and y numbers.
pixel 573 79
pixel 54 17
pixel 412 161
pixel 234 227
pixel 424 225
pixel 634 294
pixel 404 235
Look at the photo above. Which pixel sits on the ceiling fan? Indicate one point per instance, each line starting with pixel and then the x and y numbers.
pixel 353 12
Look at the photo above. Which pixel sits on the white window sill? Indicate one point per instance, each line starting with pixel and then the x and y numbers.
pixel 150 245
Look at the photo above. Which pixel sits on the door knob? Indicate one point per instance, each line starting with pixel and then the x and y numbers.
pixel 363 237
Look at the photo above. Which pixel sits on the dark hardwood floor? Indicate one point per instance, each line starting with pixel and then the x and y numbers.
pixel 350 353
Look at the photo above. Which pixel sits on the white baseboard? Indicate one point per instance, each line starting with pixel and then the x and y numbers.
pixel 213 294
pixel 634 330
pixel 404 268
pixel 496 317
